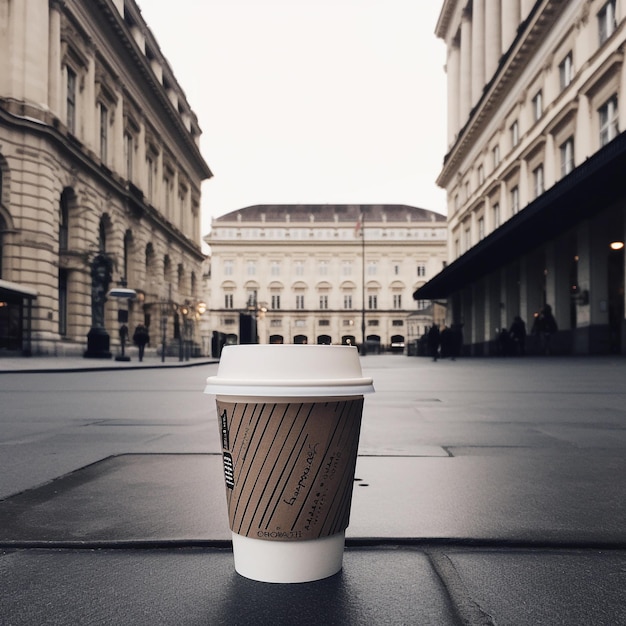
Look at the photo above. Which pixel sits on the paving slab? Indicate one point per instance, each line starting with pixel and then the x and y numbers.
pixel 180 497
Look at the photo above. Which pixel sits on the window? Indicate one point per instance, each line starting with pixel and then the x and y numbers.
pixel 62 302
pixel 150 172
pixel 397 300
pixel 481 228
pixel 71 101
pixel 514 200
pixel 567 156
pixel 608 121
pixel 300 301
pixel 322 268
pixel 606 21
pixel 467 238
pixel 276 301
pixel 566 71
pixel 128 155
pixel 421 270
pixel 372 301
pixel 275 268
pixel 538 181
pixel 228 267
pixel 298 268
pixel 372 268
pixel 537 106
pixel 104 133
pixel 347 301
pixel 396 269
pixel 481 175
pixel 228 301
pixel 496 215
pixel 64 217
pixel 514 134
pixel 251 268
pixel 496 156
pixel 323 301
pixel 346 268
pixel 397 322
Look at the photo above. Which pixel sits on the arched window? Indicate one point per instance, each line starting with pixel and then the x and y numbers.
pixel 102 235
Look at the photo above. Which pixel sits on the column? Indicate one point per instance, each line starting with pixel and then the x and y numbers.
pixel 478 49
pixel 54 59
pixel 510 22
pixel 466 68
pixel 493 39
pixel 453 68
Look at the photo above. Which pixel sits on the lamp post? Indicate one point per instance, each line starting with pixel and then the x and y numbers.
pixel 124 294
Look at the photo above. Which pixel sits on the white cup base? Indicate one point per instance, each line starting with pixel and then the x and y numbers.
pixel 288 561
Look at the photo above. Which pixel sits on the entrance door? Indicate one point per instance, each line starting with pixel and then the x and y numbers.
pixel 616 299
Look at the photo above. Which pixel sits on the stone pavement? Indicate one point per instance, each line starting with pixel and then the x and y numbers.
pixel 488 491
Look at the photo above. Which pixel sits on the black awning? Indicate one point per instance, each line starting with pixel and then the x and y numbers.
pixel 13 292
pixel 583 193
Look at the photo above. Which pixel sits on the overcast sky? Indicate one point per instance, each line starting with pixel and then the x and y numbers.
pixel 310 101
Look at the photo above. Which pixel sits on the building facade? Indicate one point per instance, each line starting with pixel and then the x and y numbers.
pixel 533 172
pixel 336 274
pixel 100 170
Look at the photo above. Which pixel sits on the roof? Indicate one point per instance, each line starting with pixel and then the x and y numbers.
pixel 583 193
pixel 331 212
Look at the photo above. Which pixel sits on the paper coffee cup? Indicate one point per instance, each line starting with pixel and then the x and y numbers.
pixel 289 417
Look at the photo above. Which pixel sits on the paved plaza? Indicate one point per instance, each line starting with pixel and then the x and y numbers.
pixel 487 491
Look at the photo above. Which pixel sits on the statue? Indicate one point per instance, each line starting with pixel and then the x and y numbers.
pixel 98 339
pixel 101 273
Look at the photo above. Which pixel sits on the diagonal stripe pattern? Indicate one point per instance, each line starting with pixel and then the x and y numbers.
pixel 290 466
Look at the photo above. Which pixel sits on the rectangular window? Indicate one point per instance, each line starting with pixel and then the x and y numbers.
pixel 481 228
pixel 538 106
pixel 251 268
pixel 496 156
pixel 104 133
pixel 566 71
pixel 372 301
pixel 514 134
pixel 228 267
pixel 71 101
pixel 128 155
pixel 514 200
pixel 346 268
pixel 276 301
pixel 347 301
pixel 150 172
pixel 372 268
pixel 298 267
pixel 608 121
pixel 421 270
pixel 300 302
pixel 397 300
pixel 467 239
pixel 323 301
pixel 538 186
pixel 275 268
pixel 228 301
pixel 567 156
pixel 322 268
pixel 481 175
pixel 606 21
pixel 496 215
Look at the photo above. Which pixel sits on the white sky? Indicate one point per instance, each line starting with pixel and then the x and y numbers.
pixel 310 101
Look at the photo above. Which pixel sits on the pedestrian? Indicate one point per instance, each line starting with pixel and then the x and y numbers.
pixel 433 341
pixel 544 327
pixel 140 339
pixel 517 332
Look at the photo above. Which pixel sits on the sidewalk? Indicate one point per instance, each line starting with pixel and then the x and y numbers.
pixel 487 492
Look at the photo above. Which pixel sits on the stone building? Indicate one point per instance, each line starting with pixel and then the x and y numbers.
pixel 323 274
pixel 100 170
pixel 534 169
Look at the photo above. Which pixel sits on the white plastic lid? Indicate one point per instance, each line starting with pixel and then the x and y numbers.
pixel 291 370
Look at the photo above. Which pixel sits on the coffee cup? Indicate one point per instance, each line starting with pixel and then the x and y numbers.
pixel 289 419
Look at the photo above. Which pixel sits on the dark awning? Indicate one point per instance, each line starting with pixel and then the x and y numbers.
pixel 12 291
pixel 584 192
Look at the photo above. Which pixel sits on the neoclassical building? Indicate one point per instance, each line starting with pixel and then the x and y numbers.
pixel 99 160
pixel 323 274
pixel 534 170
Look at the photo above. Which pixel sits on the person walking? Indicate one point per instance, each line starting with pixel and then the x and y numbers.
pixel 140 339
pixel 545 326
pixel 517 332
pixel 434 337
